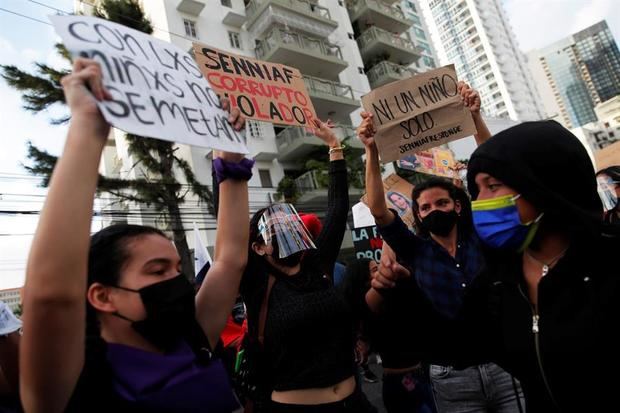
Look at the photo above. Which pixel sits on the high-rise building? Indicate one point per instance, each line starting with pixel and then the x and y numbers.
pixel 381 30
pixel 420 34
pixel 475 35
pixel 315 37
pixel 577 73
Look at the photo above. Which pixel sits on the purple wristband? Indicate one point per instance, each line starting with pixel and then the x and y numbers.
pixel 241 171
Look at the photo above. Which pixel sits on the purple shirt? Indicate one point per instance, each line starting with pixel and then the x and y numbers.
pixel 174 381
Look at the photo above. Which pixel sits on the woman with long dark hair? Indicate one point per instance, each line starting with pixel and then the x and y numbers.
pixel 548 297
pixel 609 191
pixel 302 324
pixel 110 322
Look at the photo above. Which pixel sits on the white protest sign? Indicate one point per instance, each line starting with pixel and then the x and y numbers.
pixel 157 89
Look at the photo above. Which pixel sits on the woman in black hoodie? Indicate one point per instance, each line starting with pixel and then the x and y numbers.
pixel 547 303
pixel 550 295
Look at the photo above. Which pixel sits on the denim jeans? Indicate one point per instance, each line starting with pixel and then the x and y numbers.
pixel 477 389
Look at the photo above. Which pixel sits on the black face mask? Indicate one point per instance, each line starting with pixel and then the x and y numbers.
pixel 440 222
pixel 170 311
pixel 290 261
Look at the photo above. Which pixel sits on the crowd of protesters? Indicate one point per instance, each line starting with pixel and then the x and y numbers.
pixel 502 300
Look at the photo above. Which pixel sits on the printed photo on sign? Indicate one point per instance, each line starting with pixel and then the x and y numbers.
pixel 157 89
pixel 435 161
pixel 262 91
pixel 418 113
pixel 367 243
pixel 398 197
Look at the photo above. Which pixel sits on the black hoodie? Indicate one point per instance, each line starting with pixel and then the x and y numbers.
pixel 570 360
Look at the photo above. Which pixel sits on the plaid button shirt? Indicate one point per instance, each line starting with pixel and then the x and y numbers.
pixel 441 277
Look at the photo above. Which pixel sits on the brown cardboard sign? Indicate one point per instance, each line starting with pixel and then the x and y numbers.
pixel 608 156
pixel 418 113
pixel 262 91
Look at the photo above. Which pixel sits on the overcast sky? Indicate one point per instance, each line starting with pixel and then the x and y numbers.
pixel 536 24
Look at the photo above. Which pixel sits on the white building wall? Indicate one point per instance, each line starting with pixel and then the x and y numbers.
pixel 168 24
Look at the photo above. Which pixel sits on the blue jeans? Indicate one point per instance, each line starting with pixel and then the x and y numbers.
pixel 478 389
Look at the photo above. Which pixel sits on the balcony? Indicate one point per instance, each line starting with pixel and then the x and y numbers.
pixel 192 7
pixel 294 143
pixel 376 42
pixel 235 13
pixel 387 72
pixel 302 15
pixel 311 55
pixel 332 100
pixel 379 13
pixel 312 186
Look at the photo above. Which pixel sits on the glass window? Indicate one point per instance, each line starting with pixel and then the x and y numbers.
pixel 190 28
pixel 226 3
pixel 265 178
pixel 235 40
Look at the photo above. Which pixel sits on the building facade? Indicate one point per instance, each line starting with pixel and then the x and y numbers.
pixel 476 36
pixel 578 73
pixel 315 37
pixel 11 297
pixel 421 35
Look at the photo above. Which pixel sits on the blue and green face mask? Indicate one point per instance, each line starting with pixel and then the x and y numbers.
pixel 498 224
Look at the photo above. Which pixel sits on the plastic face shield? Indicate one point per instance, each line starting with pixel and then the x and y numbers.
pixel 282 224
pixel 607 192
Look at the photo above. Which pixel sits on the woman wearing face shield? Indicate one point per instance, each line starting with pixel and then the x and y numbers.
pixel 609 190
pixel 300 326
pixel 110 324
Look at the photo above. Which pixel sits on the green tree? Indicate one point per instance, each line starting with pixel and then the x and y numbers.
pixel 157 159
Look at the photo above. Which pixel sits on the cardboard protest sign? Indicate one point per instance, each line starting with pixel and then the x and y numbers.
pixel 367 243
pixel 608 156
pixel 435 161
pixel 418 113
pixel 398 197
pixel 263 91
pixel 157 89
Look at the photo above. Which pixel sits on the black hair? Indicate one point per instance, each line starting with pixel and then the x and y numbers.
pixel 455 193
pixel 255 236
pixel 611 171
pixel 107 256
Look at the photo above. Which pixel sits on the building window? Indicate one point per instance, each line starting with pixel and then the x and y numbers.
pixel 265 178
pixel 235 39
pixel 226 3
pixel 254 129
pixel 190 28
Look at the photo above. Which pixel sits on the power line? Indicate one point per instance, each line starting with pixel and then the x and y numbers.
pixel 24 16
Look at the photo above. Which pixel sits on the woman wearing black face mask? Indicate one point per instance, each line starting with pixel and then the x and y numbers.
pixel 445 257
pixel 115 327
pixel 300 326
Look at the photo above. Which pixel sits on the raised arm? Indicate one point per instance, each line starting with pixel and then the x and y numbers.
pixel 374 184
pixel 218 292
pixel 471 99
pixel 330 239
pixel 52 346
